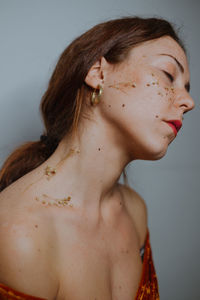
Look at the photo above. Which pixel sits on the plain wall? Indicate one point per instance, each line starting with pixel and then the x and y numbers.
pixel 32 36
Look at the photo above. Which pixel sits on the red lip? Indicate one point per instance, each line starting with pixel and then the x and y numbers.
pixel 175 125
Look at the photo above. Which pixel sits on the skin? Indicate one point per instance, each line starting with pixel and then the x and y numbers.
pixel 105 226
pixel 127 125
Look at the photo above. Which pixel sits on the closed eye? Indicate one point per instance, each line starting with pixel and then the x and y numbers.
pixel 171 78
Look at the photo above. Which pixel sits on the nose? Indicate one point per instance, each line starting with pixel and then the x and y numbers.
pixel 186 102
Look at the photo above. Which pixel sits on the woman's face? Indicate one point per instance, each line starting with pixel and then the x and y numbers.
pixel 139 97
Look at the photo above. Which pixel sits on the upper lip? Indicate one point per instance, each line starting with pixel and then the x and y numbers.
pixel 176 123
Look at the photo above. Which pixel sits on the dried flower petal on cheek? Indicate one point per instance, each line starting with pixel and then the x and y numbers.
pixel 123 86
pixel 168 94
pixel 124 79
pixel 163 91
pixel 153 81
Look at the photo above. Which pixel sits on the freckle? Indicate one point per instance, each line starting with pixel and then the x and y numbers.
pixel 127 251
pixel 159 93
pixel 133 85
pixel 38 250
pixel 153 83
pixel 99 149
pixel 152 74
pixel 156 116
pixel 120 287
pixel 36 226
pixel 123 105
pixel 147 84
pixel 109 105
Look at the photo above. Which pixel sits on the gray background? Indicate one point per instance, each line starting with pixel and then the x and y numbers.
pixel 32 36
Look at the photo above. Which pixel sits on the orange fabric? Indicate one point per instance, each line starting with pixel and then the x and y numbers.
pixel 7 293
pixel 148 288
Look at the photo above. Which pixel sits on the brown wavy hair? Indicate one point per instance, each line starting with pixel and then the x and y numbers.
pixel 62 103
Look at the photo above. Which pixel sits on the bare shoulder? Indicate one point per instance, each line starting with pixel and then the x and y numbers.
pixel 137 209
pixel 24 260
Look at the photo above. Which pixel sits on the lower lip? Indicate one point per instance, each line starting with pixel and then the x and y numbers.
pixel 173 127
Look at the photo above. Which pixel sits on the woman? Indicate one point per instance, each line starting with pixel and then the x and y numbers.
pixel 69 230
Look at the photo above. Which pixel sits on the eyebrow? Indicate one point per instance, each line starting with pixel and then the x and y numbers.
pixel 187 86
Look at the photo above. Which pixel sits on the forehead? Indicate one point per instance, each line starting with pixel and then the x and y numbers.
pixel 152 48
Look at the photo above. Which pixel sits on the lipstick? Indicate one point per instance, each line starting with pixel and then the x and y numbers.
pixel 175 125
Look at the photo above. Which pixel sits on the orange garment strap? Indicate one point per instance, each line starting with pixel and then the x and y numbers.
pixel 148 288
pixel 7 293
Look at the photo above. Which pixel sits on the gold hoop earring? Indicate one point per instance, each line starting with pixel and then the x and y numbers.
pixel 96 97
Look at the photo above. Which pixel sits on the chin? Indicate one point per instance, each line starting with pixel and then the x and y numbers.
pixel 153 156
pixel 158 155
pixel 153 153
pixel 149 147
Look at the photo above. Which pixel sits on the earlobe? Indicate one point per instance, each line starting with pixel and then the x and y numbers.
pixel 96 74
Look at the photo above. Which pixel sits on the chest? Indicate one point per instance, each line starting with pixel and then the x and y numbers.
pixel 105 264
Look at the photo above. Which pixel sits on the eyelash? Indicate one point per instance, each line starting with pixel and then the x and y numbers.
pixel 171 78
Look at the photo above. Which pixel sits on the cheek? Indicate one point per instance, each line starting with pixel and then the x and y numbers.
pixel 143 93
pixel 164 91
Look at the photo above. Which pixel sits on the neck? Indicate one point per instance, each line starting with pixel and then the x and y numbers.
pixel 89 174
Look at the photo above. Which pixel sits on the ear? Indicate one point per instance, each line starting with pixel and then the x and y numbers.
pixel 97 73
